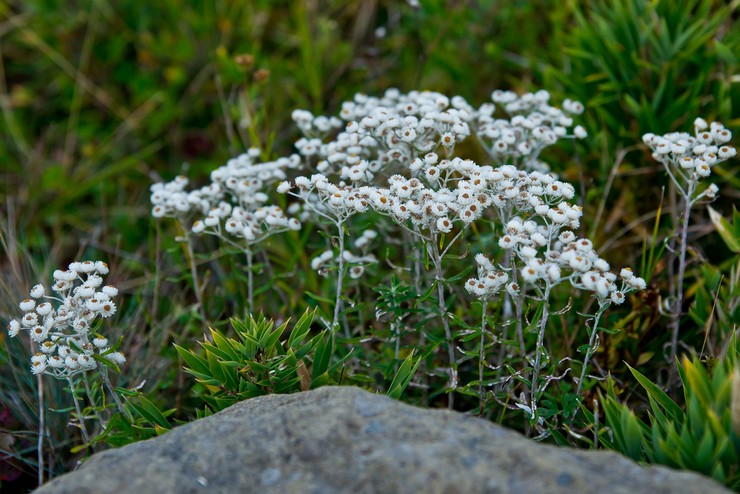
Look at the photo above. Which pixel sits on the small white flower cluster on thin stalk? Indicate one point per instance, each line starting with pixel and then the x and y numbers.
pixel 233 207
pixel 688 159
pixel 60 323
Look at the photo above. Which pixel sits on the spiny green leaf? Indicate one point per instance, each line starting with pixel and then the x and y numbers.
pixel 673 410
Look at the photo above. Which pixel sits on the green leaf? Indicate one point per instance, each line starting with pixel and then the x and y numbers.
pixel 726 231
pixel 301 329
pixel 193 361
pixel 107 362
pixel 403 376
pixel 323 356
pixel 673 410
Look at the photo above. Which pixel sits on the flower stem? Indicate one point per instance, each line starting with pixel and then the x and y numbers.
pixel 80 417
pixel 481 356
pixel 42 426
pixel 340 281
pixel 437 260
pixel 590 350
pixel 250 279
pixel 676 322
pixel 109 386
pixel 193 271
pixel 540 348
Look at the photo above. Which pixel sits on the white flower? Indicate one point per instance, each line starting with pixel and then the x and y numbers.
pixel 507 242
pixel 726 152
pixel 29 319
pixel 94 304
pixel 513 289
pixel 101 267
pixel 444 225
pixel 85 267
pixel 636 283
pixel 38 367
pixel 601 265
pixel 55 362
pixel 553 272
pixel 110 291
pixel 43 309
pixel 530 273
pixel 47 347
pixel 355 272
pixel 107 309
pixel 475 287
pixel 711 191
pixel 71 363
pixel 617 297
pixel 85 291
pixel 37 291
pixel 86 362
pixel 27 305
pixel 580 132
pixel 527 252
pixel 14 328
pixel 703 170
pixel 39 333
pixel 198 227
pixel 283 187
pixel 116 358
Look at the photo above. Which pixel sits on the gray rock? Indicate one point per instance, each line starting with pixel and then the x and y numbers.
pixel 346 440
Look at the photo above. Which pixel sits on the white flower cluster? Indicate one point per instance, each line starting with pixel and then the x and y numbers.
pixel 313 126
pixel 337 202
pixel 234 203
pixel 428 203
pixel 60 323
pixel 552 254
pixel 489 281
pixel 531 126
pixel 692 157
pixel 173 201
pixel 388 131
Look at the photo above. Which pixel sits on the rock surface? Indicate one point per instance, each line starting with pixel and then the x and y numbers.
pixel 346 440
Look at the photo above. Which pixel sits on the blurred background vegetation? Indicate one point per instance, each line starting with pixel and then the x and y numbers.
pixel 99 98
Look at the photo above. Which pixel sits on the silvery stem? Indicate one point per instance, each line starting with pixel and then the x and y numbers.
pixel 481 356
pixel 42 426
pixel 540 348
pixel 590 350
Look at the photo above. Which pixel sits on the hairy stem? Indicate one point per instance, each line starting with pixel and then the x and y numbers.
pixel 590 350
pixel 481 356
pixel 340 281
pixel 540 348
pixel 250 279
pixel 104 374
pixel 437 260
pixel 42 426
pixel 676 316
pixel 80 417
pixel 193 271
